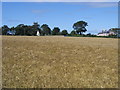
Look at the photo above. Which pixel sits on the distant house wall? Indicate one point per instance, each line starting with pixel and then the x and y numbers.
pixel 107 33
pixel 115 31
pixel 10 32
pixel 38 33
pixel 118 35
pixel 103 34
pixel 112 33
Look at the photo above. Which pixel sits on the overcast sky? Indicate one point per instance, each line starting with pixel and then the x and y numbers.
pixel 99 15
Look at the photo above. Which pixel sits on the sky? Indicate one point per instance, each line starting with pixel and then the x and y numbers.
pixel 59 0
pixel 98 15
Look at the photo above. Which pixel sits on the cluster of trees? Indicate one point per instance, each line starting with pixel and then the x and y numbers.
pixel 21 29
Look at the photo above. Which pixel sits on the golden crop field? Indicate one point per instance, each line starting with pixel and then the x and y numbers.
pixel 59 62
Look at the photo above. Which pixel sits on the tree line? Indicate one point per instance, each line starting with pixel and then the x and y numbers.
pixel 78 29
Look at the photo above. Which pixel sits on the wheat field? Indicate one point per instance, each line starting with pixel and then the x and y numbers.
pixel 59 62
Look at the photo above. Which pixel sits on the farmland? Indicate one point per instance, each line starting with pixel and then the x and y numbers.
pixel 59 62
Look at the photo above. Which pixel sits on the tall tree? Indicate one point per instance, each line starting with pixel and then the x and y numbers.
pixel 79 27
pixel 64 32
pixel 56 31
pixel 45 29
pixel 5 29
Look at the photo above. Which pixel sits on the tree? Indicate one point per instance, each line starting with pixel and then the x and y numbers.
pixel 0 30
pixel 5 29
pixel 45 29
pixel 56 31
pixel 73 33
pixel 79 27
pixel 12 30
pixel 64 32
pixel 20 30
pixel 25 29
pixel 30 31
pixel 35 27
pixel 89 34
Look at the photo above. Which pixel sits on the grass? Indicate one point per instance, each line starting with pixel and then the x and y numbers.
pixel 59 62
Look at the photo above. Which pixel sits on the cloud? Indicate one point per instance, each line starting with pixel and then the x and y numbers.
pixel 39 11
pixel 60 0
pixel 14 20
pixel 103 4
pixel 96 4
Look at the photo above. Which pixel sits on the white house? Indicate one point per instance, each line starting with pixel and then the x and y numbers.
pixel 11 32
pixel 103 33
pixel 112 31
pixel 115 31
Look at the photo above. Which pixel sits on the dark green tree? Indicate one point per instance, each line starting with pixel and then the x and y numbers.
pixel 0 30
pixel 42 33
pixel 56 31
pixel 79 27
pixel 25 29
pixel 20 30
pixel 12 30
pixel 73 33
pixel 5 29
pixel 64 32
pixel 89 34
pixel 45 29
pixel 35 28
pixel 36 25
pixel 31 31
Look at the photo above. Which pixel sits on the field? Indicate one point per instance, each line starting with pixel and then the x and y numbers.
pixel 59 62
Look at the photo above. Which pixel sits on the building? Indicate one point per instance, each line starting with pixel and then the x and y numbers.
pixel 38 33
pixel 115 31
pixel 10 32
pixel 110 32
pixel 103 33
